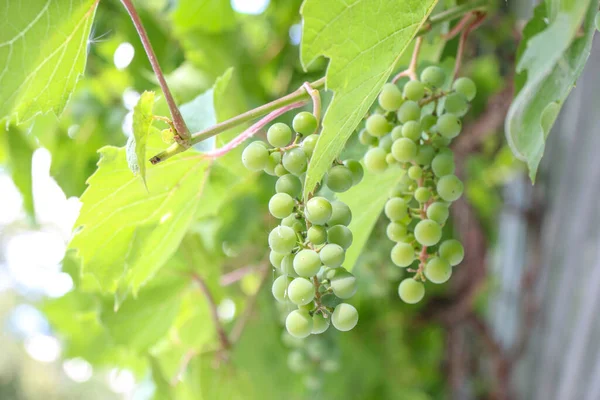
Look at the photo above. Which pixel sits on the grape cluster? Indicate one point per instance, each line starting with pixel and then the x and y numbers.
pixel 308 247
pixel 413 129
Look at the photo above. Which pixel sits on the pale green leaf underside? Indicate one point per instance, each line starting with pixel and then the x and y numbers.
pixel 553 60
pixel 43 50
pixel 363 40
pixel 142 121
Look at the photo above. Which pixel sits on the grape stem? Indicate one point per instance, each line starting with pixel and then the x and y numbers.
pixel 222 335
pixel 479 17
pixel 411 71
pixel 316 100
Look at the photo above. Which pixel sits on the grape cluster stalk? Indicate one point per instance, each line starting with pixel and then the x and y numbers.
pixel 413 127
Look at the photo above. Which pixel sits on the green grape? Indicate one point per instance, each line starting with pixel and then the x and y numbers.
pixel 279 135
pixel 357 171
pixel 167 136
pixel 404 150
pixel 422 194
pixel 425 154
pixel 280 170
pixel 304 123
pixel 279 288
pixel 339 179
pixel 390 98
pixel 299 324
pixel 409 111
pixel 450 188
pixel 307 263
pixel 412 130
pixel 415 172
pixel 255 156
pixel 295 161
pixel 449 125
pixel 396 209
pixel 341 213
pixel 318 210
pixel 411 291
pixel 341 235
pixel 442 165
pixel 389 158
pixel 272 162
pixel 282 239
pixel 375 160
pixel 293 222
pixel 287 265
pixel 438 212
pixel 344 317
pixel 452 251
pixel 309 143
pixel 428 121
pixel 332 255
pixel 301 291
pixel 298 362
pixel 396 231
pixel 289 184
pixel 281 205
pixel 386 143
pixel 377 125
pixel 466 87
pixel 317 235
pixel 402 254
pixel 364 137
pixel 440 142
pixel 433 76
pixel 414 90
pixel 456 104
pixel 320 324
pixel 396 132
pixel 438 270
pixel 428 232
pixel 276 258
pixel 343 283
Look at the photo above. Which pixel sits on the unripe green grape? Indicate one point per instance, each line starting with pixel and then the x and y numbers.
pixel 301 291
pixel 304 123
pixel 343 283
pixel 364 137
pixel 318 210
pixel 414 90
pixel 386 143
pixel 433 76
pixel 308 144
pixel 307 263
pixel 389 158
pixel 402 254
pixel 276 258
pixel 332 255
pixel 280 170
pixel 452 251
pixel 344 317
pixel 428 232
pixel 341 214
pixel 273 161
pixel 295 161
pixel 422 194
pixel 279 135
pixel 396 209
pixel 299 324
pixel 320 324
pixel 390 98
pixel 375 160
pixel 442 165
pixel 449 125
pixel 411 291
pixel 293 222
pixel 438 270
pixel 412 130
pixel 396 132
pixel 456 104
pixel 339 179
pixel 281 205
pixel 438 212
pixel 167 136
pixel 466 87
pixel 289 184
pixel 404 150
pixel 425 154
pixel 415 172
pixel 357 171
pixel 428 121
pixel 396 231
pixel 255 156
pixel 409 111
pixel 440 142
pixel 450 188
pixel 282 239
pixel 341 235
pixel 287 265
pixel 279 288
pixel 377 125
pixel 317 235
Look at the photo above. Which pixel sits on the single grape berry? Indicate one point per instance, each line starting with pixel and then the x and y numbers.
pixel 357 171
pixel 287 265
pixel 442 165
pixel 433 76
pixel 466 87
pixel 318 210
pixel 404 150
pixel 301 291
pixel 389 158
pixel 255 156
pixel 375 160
pixel 282 239
pixel 425 154
pixel 272 162
pixel 396 209
pixel 414 90
pixel 377 125
pixel 280 170
pixel 412 130
pixel 279 288
pixel 364 137
pixel 320 324
pixel 450 188
pixel 304 123
pixel 386 142
pixel 409 111
pixel 402 254
pixel 281 205
pixel 396 231
pixel 309 143
pixel 344 317
pixel 438 270
pixel 307 263
pixel 340 235
pixel 332 255
pixel 452 251
pixel 422 194
pixel 299 324
pixel 428 121
pixel 289 184
pixel 295 161
pixel 411 291
pixel 317 235
pixel 438 212
pixel 276 258
pixel 341 214
pixel 415 172
pixel 396 132
pixel 343 283
pixel 339 178
pixel 456 103
pixel 448 125
pixel 390 98
pixel 428 232
pixel 279 135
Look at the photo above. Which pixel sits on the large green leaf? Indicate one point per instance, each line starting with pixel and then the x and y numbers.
pixel 553 58
pixel 43 50
pixel 136 146
pixel 363 40
pixel 20 153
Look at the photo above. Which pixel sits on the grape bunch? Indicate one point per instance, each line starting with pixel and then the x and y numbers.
pixel 308 247
pixel 413 129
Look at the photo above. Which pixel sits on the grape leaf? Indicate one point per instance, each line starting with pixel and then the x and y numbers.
pixel 43 52
pixel 20 153
pixel 374 34
pixel 136 145
pixel 366 202
pixel 551 60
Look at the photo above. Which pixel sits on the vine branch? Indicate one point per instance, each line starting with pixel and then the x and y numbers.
pixel 223 340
